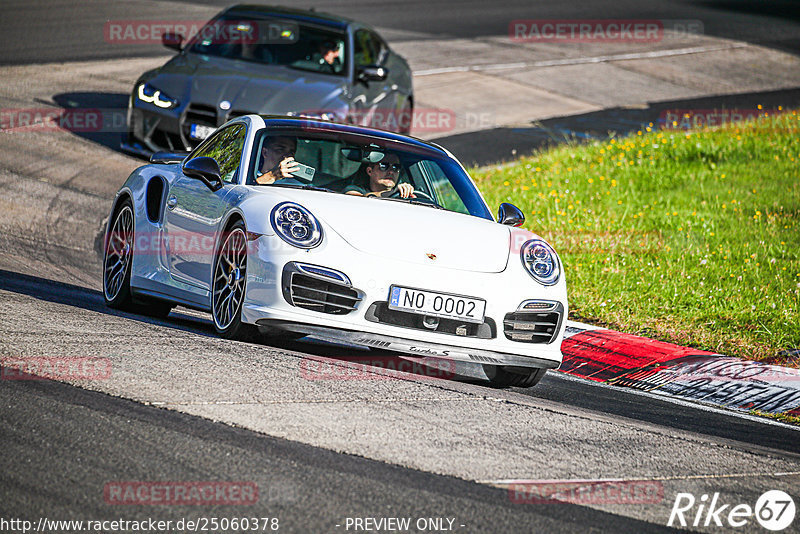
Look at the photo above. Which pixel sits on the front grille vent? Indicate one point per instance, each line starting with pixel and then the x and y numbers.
pixel 533 327
pixel 201 114
pixel 306 287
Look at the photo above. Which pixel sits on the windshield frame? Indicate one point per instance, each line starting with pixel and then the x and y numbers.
pixel 474 201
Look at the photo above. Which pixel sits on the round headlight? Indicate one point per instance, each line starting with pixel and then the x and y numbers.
pixel 296 225
pixel 541 261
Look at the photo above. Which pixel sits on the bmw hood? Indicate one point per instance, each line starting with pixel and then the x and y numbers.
pixel 398 231
pixel 249 87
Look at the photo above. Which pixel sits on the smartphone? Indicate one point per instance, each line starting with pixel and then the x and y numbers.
pixel 304 172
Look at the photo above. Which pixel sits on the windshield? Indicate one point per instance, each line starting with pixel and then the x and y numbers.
pixel 273 42
pixel 364 167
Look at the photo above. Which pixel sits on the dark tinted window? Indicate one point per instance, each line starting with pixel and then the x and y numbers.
pixel 368 48
pixel 273 42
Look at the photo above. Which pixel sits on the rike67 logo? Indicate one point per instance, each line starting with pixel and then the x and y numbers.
pixel 774 510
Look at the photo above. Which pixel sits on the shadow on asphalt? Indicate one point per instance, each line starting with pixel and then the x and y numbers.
pixel 496 145
pixel 113 108
pixel 503 144
pixel 365 363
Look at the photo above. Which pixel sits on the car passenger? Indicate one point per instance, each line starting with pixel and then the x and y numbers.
pixel 277 159
pixel 377 179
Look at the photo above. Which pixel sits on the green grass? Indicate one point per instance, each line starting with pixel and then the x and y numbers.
pixel 688 237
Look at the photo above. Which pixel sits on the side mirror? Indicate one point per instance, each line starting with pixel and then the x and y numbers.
pixel 372 73
pixel 204 169
pixel 173 41
pixel 510 214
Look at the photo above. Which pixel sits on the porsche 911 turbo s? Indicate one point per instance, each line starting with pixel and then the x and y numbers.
pixel 365 237
pixel 268 60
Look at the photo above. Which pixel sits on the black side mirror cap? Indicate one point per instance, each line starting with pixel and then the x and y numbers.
pixel 372 73
pixel 510 215
pixel 206 170
pixel 168 157
pixel 173 41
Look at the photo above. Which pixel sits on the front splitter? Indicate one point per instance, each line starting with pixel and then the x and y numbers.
pixel 416 348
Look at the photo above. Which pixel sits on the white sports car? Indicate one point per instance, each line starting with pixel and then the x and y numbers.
pixel 334 244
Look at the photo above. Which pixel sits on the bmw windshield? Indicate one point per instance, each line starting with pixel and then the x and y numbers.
pixel 273 42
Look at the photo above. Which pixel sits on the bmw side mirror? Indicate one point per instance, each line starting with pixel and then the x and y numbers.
pixel 372 73
pixel 204 169
pixel 510 214
pixel 172 41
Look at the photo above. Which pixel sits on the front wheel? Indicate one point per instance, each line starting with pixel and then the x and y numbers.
pixel 228 285
pixel 521 378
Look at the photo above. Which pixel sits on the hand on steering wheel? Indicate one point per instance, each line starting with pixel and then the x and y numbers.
pixel 400 191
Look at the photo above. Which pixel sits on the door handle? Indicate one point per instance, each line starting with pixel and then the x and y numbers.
pixel 172 202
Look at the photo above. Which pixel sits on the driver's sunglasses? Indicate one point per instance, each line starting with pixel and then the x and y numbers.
pixel 387 166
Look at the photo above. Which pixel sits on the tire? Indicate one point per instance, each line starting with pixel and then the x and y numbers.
pixel 501 378
pixel 117 259
pixel 229 279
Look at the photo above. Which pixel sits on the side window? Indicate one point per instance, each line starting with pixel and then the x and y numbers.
pixel 367 49
pixel 226 147
pixel 443 191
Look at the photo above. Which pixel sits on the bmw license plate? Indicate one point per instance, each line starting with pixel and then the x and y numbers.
pixel 466 309
pixel 198 131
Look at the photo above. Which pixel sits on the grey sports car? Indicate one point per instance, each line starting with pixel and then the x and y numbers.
pixel 264 59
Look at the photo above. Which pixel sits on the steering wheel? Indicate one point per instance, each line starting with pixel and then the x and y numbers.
pixel 420 195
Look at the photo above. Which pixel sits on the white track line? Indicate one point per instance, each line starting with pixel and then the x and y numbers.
pixel 506 482
pixel 677 400
pixel 581 60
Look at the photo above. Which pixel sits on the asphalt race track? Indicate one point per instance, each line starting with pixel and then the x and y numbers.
pixel 183 405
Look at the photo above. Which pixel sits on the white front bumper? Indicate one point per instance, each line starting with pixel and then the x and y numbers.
pixel 504 292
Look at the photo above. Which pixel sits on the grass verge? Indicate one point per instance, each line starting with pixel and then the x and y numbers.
pixel 688 237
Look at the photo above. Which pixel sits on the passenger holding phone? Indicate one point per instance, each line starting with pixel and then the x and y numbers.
pixel 378 179
pixel 277 159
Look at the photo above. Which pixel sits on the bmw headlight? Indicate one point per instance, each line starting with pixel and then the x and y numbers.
pixel 541 261
pixel 296 225
pixel 147 93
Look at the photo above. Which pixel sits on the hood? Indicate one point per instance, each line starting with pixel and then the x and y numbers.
pixel 399 231
pixel 249 87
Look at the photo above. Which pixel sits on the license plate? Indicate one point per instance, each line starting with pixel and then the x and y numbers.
pixel 198 131
pixel 436 304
